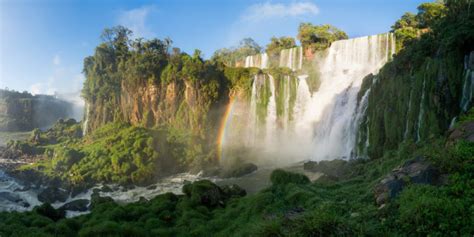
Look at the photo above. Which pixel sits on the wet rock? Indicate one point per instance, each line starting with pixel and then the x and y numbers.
pixel 240 170
pixel 142 199
pixel 416 171
pixel 332 168
pixel 52 195
pixel 48 211
pixel 151 187
pixel 80 205
pixel 233 190
pixel 76 190
pixel 204 192
pixel 106 189
pixel 96 199
pixel 14 198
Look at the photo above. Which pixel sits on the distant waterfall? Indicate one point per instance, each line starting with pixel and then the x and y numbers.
pixel 258 60
pixel 288 123
pixel 468 85
pixel 86 120
pixel 292 58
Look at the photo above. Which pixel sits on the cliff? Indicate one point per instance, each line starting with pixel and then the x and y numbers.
pixel 23 111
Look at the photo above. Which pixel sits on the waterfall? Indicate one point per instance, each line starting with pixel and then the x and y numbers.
pixel 86 120
pixel 405 134
pixel 422 111
pixel 271 117
pixel 334 105
pixel 292 58
pixel 258 60
pixel 288 122
pixel 361 111
pixel 468 85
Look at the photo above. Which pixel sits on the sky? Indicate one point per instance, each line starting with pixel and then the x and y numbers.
pixel 43 42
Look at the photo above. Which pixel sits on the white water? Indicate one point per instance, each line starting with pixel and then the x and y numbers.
pixel 258 60
pixel 8 185
pixel 405 134
pixel 468 85
pixel 323 124
pixel 292 58
pixel 421 111
pixel 86 121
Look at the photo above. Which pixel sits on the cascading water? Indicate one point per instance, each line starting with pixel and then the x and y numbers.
pixel 292 58
pixel 468 85
pixel 258 60
pixel 421 112
pixel 86 120
pixel 320 124
pixel 333 106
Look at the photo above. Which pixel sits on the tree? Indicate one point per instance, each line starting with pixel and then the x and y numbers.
pixel 429 12
pixel 319 36
pixel 407 20
pixel 277 44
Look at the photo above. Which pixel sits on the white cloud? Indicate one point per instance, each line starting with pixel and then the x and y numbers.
pixel 56 60
pixel 265 11
pixel 135 20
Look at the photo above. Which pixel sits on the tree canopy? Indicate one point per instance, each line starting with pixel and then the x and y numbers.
pixel 277 44
pixel 319 36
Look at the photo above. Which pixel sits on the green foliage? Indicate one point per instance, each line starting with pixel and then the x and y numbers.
pixel 429 13
pixel 319 37
pixel 230 56
pixel 423 82
pixel 277 44
pixel 292 206
pixel 281 177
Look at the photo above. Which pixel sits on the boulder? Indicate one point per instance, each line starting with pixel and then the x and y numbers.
pixel 14 198
pixel 416 171
pixel 106 189
pixel 332 168
pixel 96 199
pixel 52 195
pixel 240 170
pixel 76 205
pixel 204 192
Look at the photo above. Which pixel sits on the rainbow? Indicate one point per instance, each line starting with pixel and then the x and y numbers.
pixel 223 128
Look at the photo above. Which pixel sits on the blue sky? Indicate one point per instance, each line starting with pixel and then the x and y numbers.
pixel 43 42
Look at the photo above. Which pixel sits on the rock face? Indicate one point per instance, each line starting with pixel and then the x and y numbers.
pixel 23 111
pixel 465 131
pixel 180 104
pixel 417 171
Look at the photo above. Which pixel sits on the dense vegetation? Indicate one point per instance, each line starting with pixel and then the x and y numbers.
pixel 317 37
pixel 22 111
pixel 232 56
pixel 423 82
pixel 411 105
pixel 292 206
pixel 277 44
